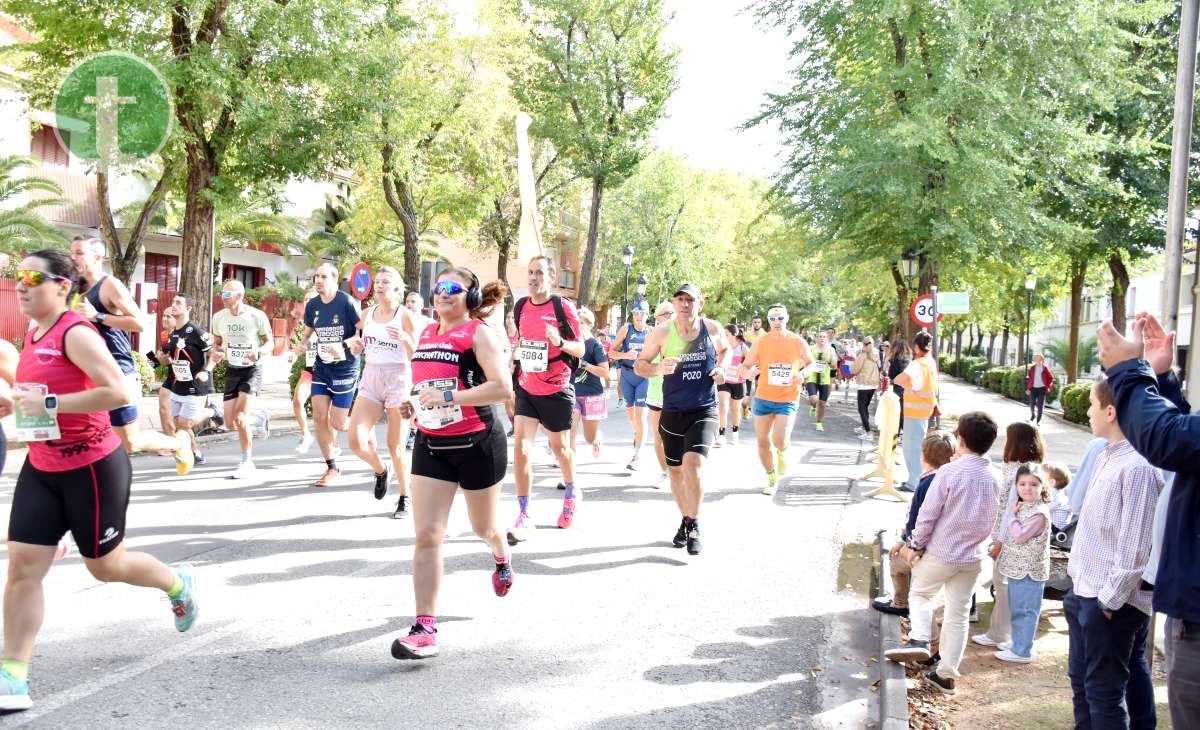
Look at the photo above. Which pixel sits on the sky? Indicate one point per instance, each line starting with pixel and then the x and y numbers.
pixel 726 66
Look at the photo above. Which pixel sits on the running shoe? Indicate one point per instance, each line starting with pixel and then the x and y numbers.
pixel 781 463
pixel 245 470
pixel 664 479
pixel 596 449
pixel 909 651
pixel 820 426
pixel 680 538
pixel 419 644
pixel 381 482
pixel 812 411
pixel 521 530
pixel 502 579
pixel 941 684
pixel 306 442
pixel 693 539
pixel 620 402
pixel 562 487
pixel 770 488
pixel 184 606
pixel 200 458
pixel 184 458
pixel 719 441
pixel 567 515
pixel 329 477
pixel 633 462
pixel 735 439
pixel 401 508
pixel 14 693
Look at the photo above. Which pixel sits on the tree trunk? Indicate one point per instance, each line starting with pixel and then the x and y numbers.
pixel 1120 289
pixel 991 350
pixel 198 252
pixel 1078 274
pixel 124 257
pixel 903 325
pixel 589 255
pixel 400 199
pixel 503 246
pixel 1004 346
pixel 958 351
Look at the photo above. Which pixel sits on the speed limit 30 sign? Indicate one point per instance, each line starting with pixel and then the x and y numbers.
pixel 922 310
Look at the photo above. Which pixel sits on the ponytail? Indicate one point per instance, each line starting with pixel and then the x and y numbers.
pixel 491 295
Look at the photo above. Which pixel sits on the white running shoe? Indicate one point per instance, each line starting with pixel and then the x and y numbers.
pixel 245 470
pixel 984 640
pixel 663 480
pixel 305 444
pixel 719 441
pixel 1006 655
pixel 735 439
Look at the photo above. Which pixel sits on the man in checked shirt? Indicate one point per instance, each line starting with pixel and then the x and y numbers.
pixel 1108 608
pixel 946 549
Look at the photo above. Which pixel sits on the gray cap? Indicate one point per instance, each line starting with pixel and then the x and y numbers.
pixel 691 290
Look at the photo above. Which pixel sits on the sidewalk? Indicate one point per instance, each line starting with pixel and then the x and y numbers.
pixel 1065 441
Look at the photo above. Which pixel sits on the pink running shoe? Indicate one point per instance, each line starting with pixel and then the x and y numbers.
pixel 568 514
pixel 521 529
pixel 502 579
pixel 419 644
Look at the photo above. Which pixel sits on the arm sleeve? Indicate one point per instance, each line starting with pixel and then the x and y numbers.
pixel 931 510
pixel 1139 496
pixel 1166 434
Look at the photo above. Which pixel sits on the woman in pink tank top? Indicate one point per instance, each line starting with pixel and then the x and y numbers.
pixel 459 371
pixel 76 477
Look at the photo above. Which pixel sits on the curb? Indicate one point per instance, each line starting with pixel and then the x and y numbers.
pixel 893 684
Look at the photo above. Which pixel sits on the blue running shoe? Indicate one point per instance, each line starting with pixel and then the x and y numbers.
pixel 185 607
pixel 14 693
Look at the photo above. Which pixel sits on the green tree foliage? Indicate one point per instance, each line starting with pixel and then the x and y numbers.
pixel 22 228
pixel 597 86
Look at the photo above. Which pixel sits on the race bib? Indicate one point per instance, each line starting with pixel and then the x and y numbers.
pixel 310 355
pixel 36 428
pixel 331 352
pixel 534 356
pixel 595 407
pixel 182 371
pixel 819 367
pixel 238 355
pixel 779 375
pixel 440 416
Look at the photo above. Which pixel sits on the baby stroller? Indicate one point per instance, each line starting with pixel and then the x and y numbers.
pixel 1060 552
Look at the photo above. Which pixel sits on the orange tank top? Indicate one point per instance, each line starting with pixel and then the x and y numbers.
pixel 779 359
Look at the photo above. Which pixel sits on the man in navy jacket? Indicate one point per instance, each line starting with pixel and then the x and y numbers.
pixel 1159 423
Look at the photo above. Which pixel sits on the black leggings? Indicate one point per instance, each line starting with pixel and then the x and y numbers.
pixel 1037 402
pixel 900 394
pixel 864 407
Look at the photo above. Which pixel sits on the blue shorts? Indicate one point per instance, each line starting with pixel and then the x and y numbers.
pixel 634 388
pixel 764 407
pixel 338 386
pixel 126 415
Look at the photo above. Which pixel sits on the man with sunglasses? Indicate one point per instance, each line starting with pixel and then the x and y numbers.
pixel 243 337
pixel 779 357
pixel 109 306
pixel 548 347
pixel 695 355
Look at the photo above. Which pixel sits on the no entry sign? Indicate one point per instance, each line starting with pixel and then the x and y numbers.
pixel 360 281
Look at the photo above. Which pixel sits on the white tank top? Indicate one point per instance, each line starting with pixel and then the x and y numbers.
pixel 379 346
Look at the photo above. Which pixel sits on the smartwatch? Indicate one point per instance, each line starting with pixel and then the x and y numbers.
pixel 448 396
pixel 100 317
pixel 50 403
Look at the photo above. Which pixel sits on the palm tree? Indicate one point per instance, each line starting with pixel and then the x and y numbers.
pixel 21 227
pixel 1089 354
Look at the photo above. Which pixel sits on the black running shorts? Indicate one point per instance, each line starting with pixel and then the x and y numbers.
pixel 473 461
pixel 553 411
pixel 89 502
pixel 242 380
pixel 818 389
pixel 684 431
pixel 736 391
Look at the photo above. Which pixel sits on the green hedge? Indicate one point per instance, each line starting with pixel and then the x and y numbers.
pixel 964 368
pixel 1010 383
pixel 1075 401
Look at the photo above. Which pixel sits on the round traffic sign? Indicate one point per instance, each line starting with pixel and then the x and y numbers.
pixel 922 310
pixel 360 281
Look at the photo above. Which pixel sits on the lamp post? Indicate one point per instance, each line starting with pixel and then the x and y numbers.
pixel 627 259
pixel 1030 285
pixel 910 267
pixel 642 283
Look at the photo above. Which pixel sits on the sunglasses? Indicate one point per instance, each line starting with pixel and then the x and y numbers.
pixel 227 295
pixel 777 319
pixel 30 277
pixel 448 288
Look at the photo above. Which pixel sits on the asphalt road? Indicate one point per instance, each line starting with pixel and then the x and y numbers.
pixel 303 589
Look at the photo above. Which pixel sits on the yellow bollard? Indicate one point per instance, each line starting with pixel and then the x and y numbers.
pixel 887 417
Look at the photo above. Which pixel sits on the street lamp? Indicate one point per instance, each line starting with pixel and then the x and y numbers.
pixel 642 283
pixel 1030 285
pixel 910 266
pixel 627 259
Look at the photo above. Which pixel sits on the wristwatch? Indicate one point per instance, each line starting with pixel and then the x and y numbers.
pixel 448 396
pixel 50 403
pixel 100 317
